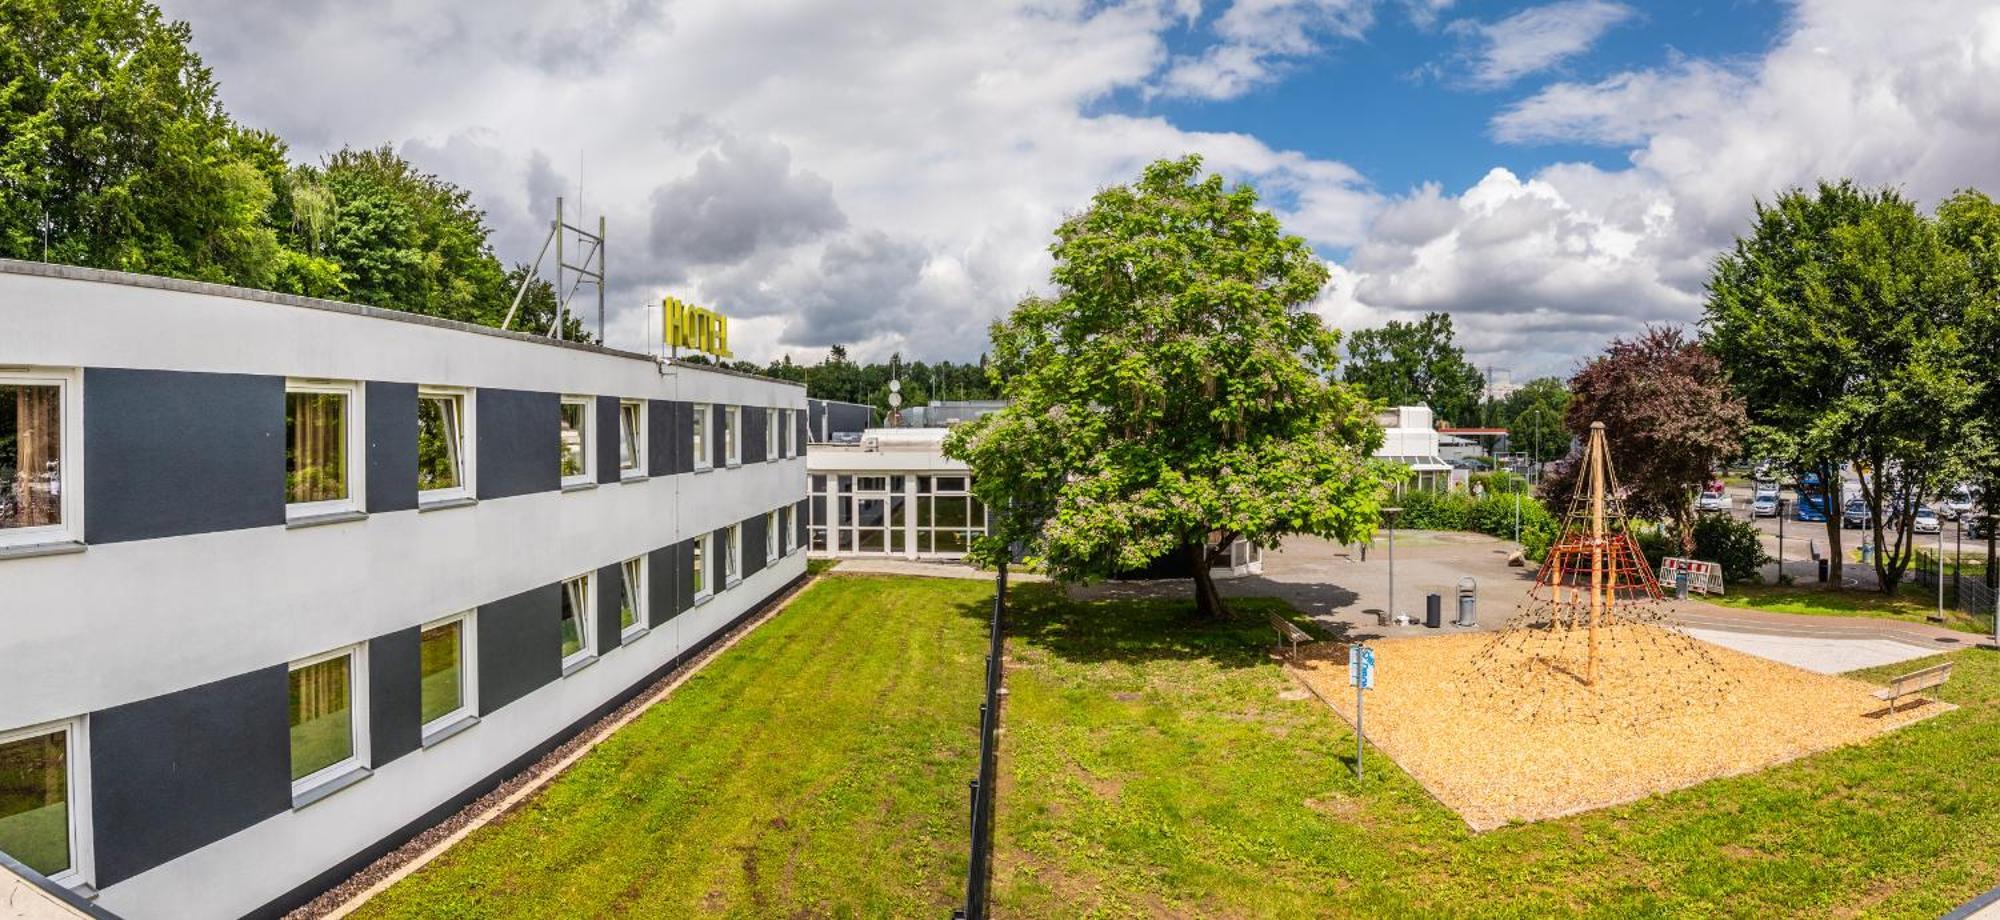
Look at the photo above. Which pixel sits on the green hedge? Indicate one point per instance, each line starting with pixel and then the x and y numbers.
pixel 1492 515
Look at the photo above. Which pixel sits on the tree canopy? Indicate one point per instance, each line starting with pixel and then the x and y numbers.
pixel 1402 364
pixel 1842 320
pixel 1670 421
pixel 1533 416
pixel 1174 395
pixel 116 152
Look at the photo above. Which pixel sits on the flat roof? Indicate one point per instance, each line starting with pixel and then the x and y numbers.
pixel 178 285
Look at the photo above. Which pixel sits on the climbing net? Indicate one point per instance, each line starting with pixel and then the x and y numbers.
pixel 1592 642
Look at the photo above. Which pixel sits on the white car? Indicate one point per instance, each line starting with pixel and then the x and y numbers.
pixel 1957 503
pixel 1712 500
pixel 1926 521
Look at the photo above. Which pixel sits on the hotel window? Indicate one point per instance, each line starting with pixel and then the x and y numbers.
pixel 789 523
pixel 37 458
pixel 702 460
pixel 732 555
pixel 771 528
pixel 444 466
pixel 632 606
pixel 772 448
pixel 579 641
pixel 732 426
pixel 816 508
pixel 322 448
pixel 703 552
pixel 329 730
pixel 444 665
pixel 631 439
pixel 576 447
pixel 43 824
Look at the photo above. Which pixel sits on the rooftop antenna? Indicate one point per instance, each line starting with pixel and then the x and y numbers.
pixel 589 269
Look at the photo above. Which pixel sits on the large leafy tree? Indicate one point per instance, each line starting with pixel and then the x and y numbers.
pixel 1841 321
pixel 1534 415
pixel 1403 364
pixel 1969 222
pixel 115 153
pixel 1174 395
pixel 1670 420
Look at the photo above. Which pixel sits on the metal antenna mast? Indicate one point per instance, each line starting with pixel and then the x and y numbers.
pixel 589 269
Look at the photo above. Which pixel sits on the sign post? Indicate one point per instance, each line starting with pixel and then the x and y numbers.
pixel 1361 676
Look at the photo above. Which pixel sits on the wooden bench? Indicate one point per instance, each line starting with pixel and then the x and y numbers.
pixel 1290 632
pixel 1913 682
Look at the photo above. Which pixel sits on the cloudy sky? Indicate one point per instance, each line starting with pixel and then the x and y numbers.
pixel 885 174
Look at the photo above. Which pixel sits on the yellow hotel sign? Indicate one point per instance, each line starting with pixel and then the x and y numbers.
pixel 689 326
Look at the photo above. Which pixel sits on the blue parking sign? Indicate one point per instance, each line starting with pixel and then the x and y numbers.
pixel 1361 667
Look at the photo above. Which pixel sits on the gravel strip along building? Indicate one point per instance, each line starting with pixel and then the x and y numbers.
pixel 284 581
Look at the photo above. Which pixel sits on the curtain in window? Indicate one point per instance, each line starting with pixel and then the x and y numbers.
pixel 316 448
pixel 30 456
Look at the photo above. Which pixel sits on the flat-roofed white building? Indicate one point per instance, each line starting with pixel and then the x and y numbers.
pixel 1410 438
pixel 891 493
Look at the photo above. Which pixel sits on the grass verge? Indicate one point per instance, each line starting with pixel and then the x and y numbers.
pixel 818 768
pixel 1910 604
pixel 1155 765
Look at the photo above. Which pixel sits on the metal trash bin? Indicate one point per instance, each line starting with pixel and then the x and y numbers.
pixel 1468 601
pixel 1433 610
pixel 1681 584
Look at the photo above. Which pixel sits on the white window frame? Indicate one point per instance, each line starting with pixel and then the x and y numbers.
pixel 356 454
pixel 638 595
pixel 732 563
pixel 638 468
pixel 791 528
pixel 586 623
pixel 732 435
pixel 444 726
pixel 704 553
pixel 76 758
pixel 704 419
pixel 467 462
pixel 771 537
pixel 69 392
pixel 773 450
pixel 357 702
pixel 589 474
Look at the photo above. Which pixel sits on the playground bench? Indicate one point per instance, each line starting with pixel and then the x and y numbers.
pixel 1290 632
pixel 1913 682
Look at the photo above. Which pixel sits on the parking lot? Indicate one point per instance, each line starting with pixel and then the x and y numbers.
pixel 1803 541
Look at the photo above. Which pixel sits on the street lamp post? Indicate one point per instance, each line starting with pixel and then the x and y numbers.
pixel 1940 572
pixel 1391 513
pixel 1781 541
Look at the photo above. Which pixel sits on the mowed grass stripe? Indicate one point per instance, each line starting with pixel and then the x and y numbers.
pixel 818 767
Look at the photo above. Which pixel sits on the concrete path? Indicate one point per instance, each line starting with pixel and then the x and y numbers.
pixel 1826 656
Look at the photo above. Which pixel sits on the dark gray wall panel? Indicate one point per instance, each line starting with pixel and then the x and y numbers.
pixel 715 564
pixel 520 645
pixel 395 696
pixel 660 437
pixel 520 442
pixel 754 528
pixel 803 421
pixel 684 583
pixel 719 416
pixel 663 569
pixel 754 434
pixel 168 453
pixel 800 521
pixel 391 427
pixel 610 591
pixel 683 437
pixel 607 439
pixel 175 773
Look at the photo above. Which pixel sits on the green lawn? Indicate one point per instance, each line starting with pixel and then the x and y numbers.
pixel 1911 603
pixel 1151 766
pixel 818 768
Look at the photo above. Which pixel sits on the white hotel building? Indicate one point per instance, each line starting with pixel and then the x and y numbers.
pixel 285 581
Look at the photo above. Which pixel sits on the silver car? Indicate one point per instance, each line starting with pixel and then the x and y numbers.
pixel 1926 521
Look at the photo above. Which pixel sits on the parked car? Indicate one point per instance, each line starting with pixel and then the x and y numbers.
pixel 1926 521
pixel 1765 504
pixel 1956 503
pixel 1976 526
pixel 1855 515
pixel 1712 499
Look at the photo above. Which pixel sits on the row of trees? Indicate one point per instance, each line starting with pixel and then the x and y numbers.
pixel 1401 364
pixel 837 376
pixel 1864 335
pixel 116 152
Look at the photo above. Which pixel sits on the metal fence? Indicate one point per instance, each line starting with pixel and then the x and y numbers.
pixel 979 874
pixel 1965 587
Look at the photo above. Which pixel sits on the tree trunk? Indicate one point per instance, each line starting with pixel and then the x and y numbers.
pixel 1207 601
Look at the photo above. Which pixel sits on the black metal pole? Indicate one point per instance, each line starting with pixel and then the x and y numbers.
pixel 979 873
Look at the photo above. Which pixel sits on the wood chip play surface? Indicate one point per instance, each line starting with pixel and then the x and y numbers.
pixel 1493 764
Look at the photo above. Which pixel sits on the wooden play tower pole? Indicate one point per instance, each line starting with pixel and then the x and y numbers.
pixel 1597 586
